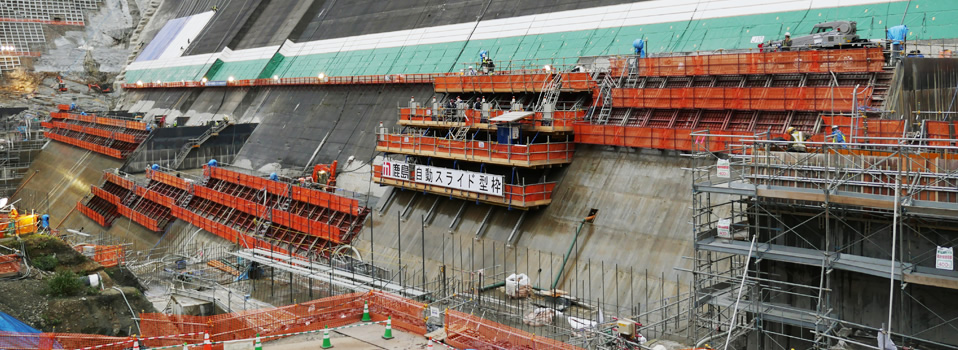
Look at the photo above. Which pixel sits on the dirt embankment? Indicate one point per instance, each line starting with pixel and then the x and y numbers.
pixel 90 310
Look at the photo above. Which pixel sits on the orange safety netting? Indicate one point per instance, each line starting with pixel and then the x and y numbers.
pixel 813 61
pixel 9 265
pixel 468 331
pixel 837 99
pixel 945 131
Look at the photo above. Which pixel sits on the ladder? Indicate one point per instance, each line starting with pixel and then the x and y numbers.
pixel 459 133
pixel 196 142
pixel 550 92
pixel 605 91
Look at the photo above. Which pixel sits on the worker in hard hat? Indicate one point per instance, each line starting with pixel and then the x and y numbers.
pixel 837 136
pixel 472 71
pixel 797 139
pixel 787 43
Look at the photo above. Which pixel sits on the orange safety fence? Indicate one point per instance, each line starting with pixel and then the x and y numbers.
pixel 117 179
pixel 466 331
pixel 140 218
pixel 426 117
pixel 878 131
pixel 513 195
pixel 94 119
pixel 92 214
pixel 106 255
pixel 44 341
pixel 942 130
pixel 837 99
pixel 168 179
pixel 792 62
pixel 308 195
pixel 486 151
pixel 85 145
pixel 121 136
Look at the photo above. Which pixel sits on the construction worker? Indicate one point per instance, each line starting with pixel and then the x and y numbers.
pixel 837 136
pixel 472 70
pixel 787 43
pixel 797 139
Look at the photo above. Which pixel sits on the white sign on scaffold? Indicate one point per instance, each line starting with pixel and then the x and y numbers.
pixel 434 311
pixel 945 258
pixel 723 169
pixel 445 177
pixel 725 228
pixel 758 39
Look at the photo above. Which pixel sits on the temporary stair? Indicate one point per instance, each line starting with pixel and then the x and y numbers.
pixel 196 143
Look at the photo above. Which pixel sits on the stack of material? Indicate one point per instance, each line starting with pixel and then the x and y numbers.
pixel 517 286
pixel 540 316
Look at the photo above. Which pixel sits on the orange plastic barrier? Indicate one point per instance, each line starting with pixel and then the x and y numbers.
pixel 812 61
pixel 9 265
pixel 513 195
pixel 315 197
pixel 838 99
pixel 485 151
pixel 85 145
pixel 467 331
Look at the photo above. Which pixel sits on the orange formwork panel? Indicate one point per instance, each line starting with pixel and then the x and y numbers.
pixel 223 231
pixel 154 196
pixel 945 131
pixel 466 331
pixel 121 136
pixel 143 220
pixel 92 214
pixel 312 196
pixel 499 83
pixel 478 151
pixel 85 145
pixel 878 131
pixel 790 62
pixel 656 138
pixel 168 179
pixel 838 99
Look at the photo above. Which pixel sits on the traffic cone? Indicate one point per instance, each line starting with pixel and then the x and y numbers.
pixel 326 343
pixel 207 345
pixel 258 345
pixel 136 344
pixel 366 317
pixel 186 346
pixel 429 344
pixel 389 328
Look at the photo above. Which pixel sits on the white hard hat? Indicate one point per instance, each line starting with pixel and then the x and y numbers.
pixel 788 34
pixel 470 67
pixel 834 126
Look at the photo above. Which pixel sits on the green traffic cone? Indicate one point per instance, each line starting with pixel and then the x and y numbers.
pixel 258 345
pixel 366 317
pixel 326 343
pixel 389 328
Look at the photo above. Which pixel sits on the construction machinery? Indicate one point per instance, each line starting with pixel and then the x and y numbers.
pixel 97 88
pixel 325 174
pixel 826 35
pixel 61 86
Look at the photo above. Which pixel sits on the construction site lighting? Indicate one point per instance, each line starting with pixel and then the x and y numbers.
pixel 321 76
pixel 204 80
pixel 230 79
pixel 139 82
pixel 275 77
pixel 547 68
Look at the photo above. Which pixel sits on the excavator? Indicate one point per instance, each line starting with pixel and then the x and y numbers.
pixel 61 86
pixel 325 174
pixel 96 87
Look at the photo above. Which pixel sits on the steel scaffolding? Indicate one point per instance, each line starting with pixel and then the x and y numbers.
pixel 830 228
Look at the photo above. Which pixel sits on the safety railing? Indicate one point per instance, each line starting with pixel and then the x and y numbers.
pixel 643 137
pixel 879 131
pixel 512 82
pixel 121 136
pixel 94 119
pixel 307 195
pixel 790 62
pixel 519 196
pixel 105 255
pixel 467 331
pixel 837 99
pixel 425 78
pixel 85 145
pixel 561 120
pixel 535 154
